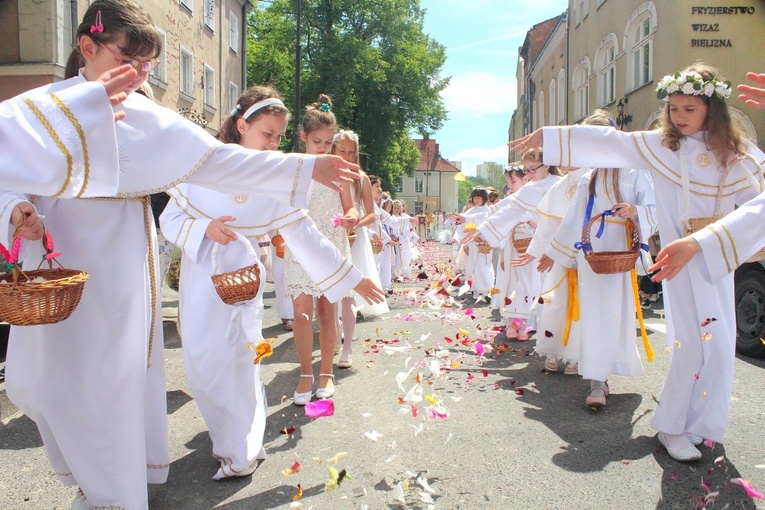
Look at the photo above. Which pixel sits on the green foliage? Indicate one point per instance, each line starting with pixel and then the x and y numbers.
pixel 372 58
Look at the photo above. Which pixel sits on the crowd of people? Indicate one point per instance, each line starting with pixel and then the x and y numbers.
pixel 337 246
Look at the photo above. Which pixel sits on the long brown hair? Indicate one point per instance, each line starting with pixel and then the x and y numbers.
pixel 610 176
pixel 229 132
pixel 117 17
pixel 722 136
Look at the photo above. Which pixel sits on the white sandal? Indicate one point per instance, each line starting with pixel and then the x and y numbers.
pixel 326 392
pixel 301 399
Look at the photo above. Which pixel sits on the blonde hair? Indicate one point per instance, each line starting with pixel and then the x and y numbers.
pixel 722 135
pixel 352 137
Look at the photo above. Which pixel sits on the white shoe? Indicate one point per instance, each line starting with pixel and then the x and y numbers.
pixel 694 439
pixel 552 365
pixel 301 399
pixel 323 393
pixel 685 454
pixel 345 363
pixel 80 502
pixel 571 369
pixel 221 475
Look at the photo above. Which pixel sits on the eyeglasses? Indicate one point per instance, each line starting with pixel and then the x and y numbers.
pixel 141 66
pixel 532 170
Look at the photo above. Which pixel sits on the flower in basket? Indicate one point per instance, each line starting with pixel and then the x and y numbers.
pixel 469 227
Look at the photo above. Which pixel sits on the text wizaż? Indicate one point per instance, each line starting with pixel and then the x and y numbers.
pixel 715 27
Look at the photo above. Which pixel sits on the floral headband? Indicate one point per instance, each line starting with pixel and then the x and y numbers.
pixel 346 134
pixel 692 84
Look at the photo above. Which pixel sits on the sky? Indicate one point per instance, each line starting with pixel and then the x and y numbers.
pixel 482 38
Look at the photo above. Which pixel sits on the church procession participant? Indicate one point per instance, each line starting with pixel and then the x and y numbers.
pixel 111 345
pixel 702 168
pixel 217 338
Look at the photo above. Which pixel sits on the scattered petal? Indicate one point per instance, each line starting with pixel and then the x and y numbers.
pixel 750 491
pixel 299 493
pixel 320 408
pixel 374 435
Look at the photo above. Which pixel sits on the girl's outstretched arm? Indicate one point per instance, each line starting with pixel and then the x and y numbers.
pixel 673 257
pixel 753 96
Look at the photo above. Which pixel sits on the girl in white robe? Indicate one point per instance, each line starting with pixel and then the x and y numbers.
pixel 283 300
pixel 691 163
pixel 346 145
pixel 516 178
pixel 65 376
pixel 478 267
pixel 403 236
pixel 222 378
pixel 559 335
pixel 606 301
pixel 525 282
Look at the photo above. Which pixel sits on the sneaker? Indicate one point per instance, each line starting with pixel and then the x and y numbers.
pixel 645 303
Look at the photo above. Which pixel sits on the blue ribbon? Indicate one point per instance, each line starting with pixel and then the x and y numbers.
pixel 585 247
pixel 602 227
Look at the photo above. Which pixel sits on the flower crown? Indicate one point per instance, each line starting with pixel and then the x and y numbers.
pixel 692 84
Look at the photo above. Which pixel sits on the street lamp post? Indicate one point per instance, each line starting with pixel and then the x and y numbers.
pixel 621 119
pixel 296 117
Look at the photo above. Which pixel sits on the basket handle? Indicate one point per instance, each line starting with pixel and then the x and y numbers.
pixel 512 232
pixel 252 256
pixel 586 246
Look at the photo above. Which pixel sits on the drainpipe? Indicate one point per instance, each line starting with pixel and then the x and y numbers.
pixel 568 69
pixel 245 10
pixel 75 15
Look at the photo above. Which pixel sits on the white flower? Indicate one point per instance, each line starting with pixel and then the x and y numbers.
pixel 709 89
pixel 722 90
pixel 696 76
pixel 681 80
pixel 672 88
pixel 688 88
pixel 666 81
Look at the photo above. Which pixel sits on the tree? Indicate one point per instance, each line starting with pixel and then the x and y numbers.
pixel 371 57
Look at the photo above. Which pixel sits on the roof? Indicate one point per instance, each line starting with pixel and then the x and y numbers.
pixel 536 38
pixel 430 157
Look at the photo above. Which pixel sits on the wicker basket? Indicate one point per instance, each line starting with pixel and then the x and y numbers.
pixel 278 242
pixel 42 296
pixel 484 248
pixel 611 262
pixel 521 244
pixel 241 284
pixel 697 224
pixel 351 238
pixel 376 246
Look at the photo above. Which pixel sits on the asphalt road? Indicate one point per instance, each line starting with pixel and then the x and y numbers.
pixel 514 437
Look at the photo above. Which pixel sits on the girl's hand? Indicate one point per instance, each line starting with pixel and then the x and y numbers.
pixel 673 257
pixel 475 235
pixel 219 232
pixel 116 81
pixel 30 227
pixel 532 223
pixel 532 141
pixel 332 171
pixel 349 222
pixel 457 218
pixel 524 259
pixel 369 291
pixel 414 221
pixel 625 211
pixel 376 238
pixel 545 263
pixel 753 96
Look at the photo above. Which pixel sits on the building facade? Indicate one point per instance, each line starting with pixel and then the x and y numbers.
pixel 432 187
pixel 202 69
pixel 616 51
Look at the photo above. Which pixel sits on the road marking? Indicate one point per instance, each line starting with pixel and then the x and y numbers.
pixel 659 327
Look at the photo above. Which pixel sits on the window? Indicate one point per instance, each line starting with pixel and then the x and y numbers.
pixel 582 8
pixel 552 121
pixel 233 32
pixel 561 110
pixel 187 72
pixel 534 118
pixel 638 43
pixel 209 86
pixel 400 185
pixel 233 95
pixel 418 184
pixel 160 73
pixel 606 62
pixel 210 14
pixel 581 89
pixel 541 116
pixel 189 4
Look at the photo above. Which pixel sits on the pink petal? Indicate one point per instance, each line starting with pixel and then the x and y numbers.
pixel 750 491
pixel 320 408
pixel 469 311
pixel 709 443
